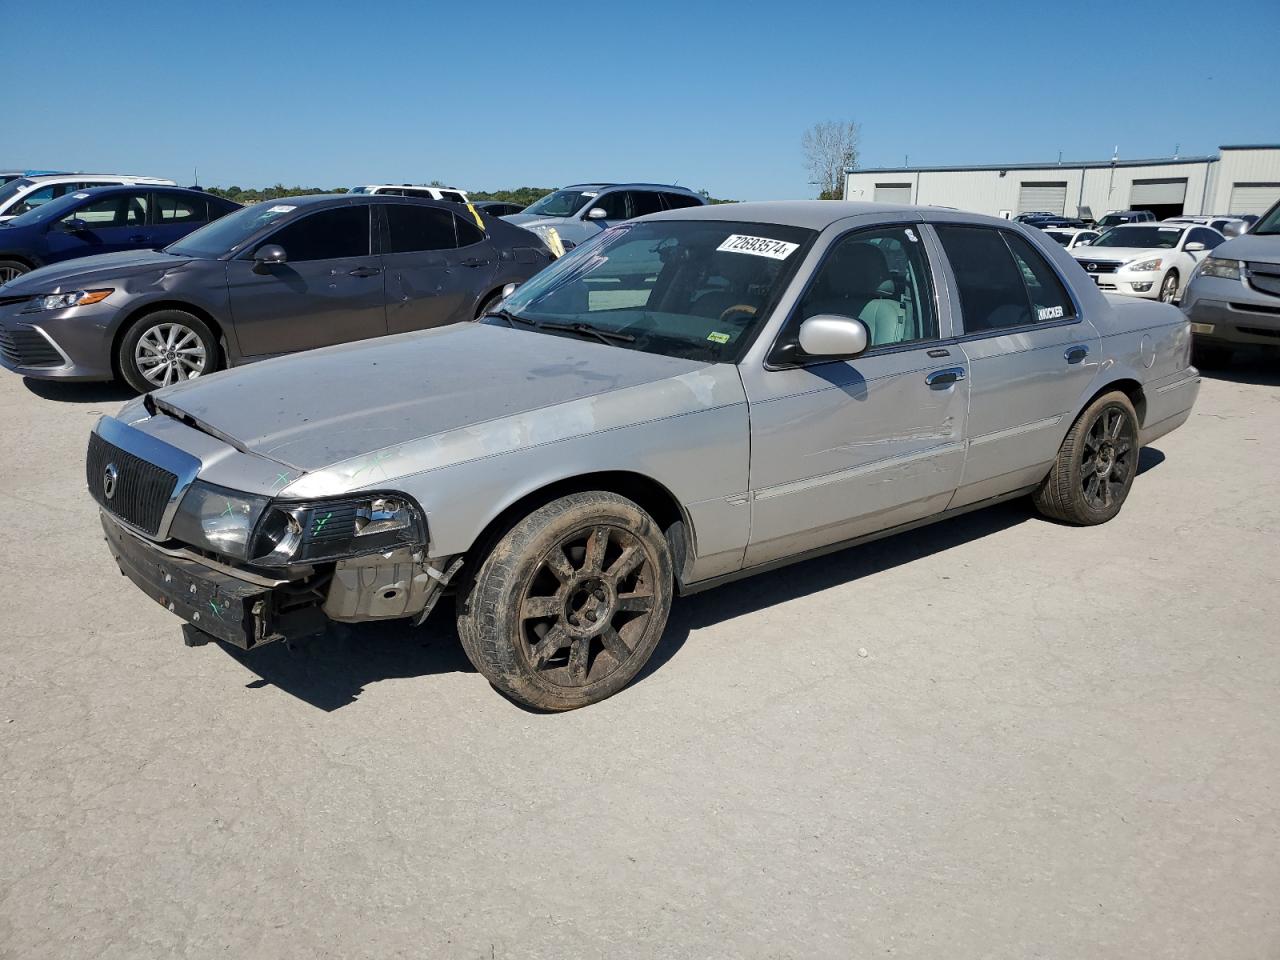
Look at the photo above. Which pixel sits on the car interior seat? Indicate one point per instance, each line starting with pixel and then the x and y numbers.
pixel 856 283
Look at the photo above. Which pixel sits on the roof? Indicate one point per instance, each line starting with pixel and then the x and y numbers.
pixel 813 214
pixel 610 186
pixel 1052 165
pixel 41 178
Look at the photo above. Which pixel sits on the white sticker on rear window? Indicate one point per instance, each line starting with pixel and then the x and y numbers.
pixel 758 246
pixel 1049 313
pixel 1169 229
pixel 80 196
pixel 280 208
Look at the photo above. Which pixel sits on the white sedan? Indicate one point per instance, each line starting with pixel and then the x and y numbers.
pixel 1152 260
pixel 1071 237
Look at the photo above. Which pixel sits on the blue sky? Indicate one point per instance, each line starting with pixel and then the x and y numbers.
pixel 716 94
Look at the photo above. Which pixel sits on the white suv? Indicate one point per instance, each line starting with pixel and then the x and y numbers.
pixel 27 193
pixel 452 194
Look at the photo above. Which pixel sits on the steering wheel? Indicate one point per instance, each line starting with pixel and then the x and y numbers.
pixel 746 308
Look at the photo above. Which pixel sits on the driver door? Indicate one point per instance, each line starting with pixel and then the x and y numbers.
pixel 839 448
pixel 111 224
pixel 328 291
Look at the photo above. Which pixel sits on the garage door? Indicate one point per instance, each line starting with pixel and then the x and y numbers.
pixel 1044 196
pixel 1252 197
pixel 1157 193
pixel 893 193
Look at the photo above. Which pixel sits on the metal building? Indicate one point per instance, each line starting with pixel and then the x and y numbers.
pixel 1240 179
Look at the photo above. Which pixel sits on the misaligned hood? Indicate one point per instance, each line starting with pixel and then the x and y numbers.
pixel 324 407
pixel 88 271
pixel 1260 249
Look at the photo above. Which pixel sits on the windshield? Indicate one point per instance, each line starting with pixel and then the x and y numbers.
pixel 1270 222
pixel 562 203
pixel 50 210
pixel 229 233
pixel 1059 236
pixel 12 188
pixel 1148 238
pixel 1111 219
pixel 696 289
pixel 358 190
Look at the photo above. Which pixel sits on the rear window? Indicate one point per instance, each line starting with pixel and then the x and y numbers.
pixel 1002 281
pixel 414 228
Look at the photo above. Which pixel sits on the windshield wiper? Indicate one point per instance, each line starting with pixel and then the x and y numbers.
pixel 590 330
pixel 511 318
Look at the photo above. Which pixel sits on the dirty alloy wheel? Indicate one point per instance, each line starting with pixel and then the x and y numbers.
pixel 569 605
pixel 9 269
pixel 1096 464
pixel 1169 289
pixel 166 347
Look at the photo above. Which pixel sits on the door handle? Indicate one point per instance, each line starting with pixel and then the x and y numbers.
pixel 364 272
pixel 945 377
pixel 139 238
pixel 1076 354
pixel 474 262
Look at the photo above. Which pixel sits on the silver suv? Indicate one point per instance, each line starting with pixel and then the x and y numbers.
pixel 579 212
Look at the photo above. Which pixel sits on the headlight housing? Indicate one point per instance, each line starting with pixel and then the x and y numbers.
pixel 215 518
pixel 72 298
pixel 1220 267
pixel 291 533
pixel 1144 266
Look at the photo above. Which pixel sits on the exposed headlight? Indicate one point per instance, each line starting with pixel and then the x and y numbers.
pixel 217 519
pixel 1144 266
pixel 329 530
pixel 60 301
pixel 1218 267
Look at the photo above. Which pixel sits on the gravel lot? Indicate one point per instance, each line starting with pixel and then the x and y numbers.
pixel 1062 743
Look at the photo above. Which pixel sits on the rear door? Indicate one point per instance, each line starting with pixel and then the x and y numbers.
pixel 1031 354
pixel 109 224
pixel 175 215
pixel 329 291
pixel 437 266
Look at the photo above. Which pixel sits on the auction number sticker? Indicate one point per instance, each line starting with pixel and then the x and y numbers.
pixel 758 246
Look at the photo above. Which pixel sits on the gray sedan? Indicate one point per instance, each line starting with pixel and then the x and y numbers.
pixel 272 278
pixel 687 399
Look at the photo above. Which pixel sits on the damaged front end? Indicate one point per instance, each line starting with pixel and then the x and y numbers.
pixel 247 568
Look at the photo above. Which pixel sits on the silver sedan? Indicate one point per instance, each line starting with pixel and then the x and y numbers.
pixel 691 397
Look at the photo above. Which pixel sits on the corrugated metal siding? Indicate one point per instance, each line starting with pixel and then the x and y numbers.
pixel 1164 190
pixel 1047 196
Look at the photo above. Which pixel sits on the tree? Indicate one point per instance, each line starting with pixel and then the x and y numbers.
pixel 830 148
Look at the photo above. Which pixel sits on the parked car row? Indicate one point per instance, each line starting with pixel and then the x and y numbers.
pixel 696 396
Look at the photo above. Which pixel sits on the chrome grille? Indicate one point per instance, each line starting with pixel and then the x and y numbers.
pixel 1099 266
pixel 1265 278
pixel 141 489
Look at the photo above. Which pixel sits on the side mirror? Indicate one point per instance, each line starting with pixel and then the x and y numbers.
pixel 1234 229
pixel 1082 243
pixel 1193 246
pixel 597 213
pixel 268 255
pixel 509 289
pixel 828 335
pixel 74 225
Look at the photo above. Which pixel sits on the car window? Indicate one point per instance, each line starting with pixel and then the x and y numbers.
pixel 880 277
pixel 644 202
pixel 678 201
pixel 1058 237
pixel 414 228
pixel 468 232
pixel 117 210
pixel 614 205
pixel 1209 238
pixel 1002 282
pixel 452 196
pixel 171 208
pixel 37 197
pixel 326 235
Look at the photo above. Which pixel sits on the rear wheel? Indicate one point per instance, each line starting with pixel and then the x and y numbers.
pixel 12 268
pixel 569 605
pixel 1096 464
pixel 1169 289
pixel 166 347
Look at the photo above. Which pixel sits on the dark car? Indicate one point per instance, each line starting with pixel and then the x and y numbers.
pixel 1043 220
pixel 497 208
pixel 103 220
pixel 271 278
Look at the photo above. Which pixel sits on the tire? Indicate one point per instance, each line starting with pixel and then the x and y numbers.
pixel 1096 464
pixel 1209 355
pixel 569 604
pixel 9 269
pixel 192 350
pixel 1169 287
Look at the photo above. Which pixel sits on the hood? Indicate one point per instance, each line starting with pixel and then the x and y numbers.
pixel 1258 248
pixel 322 407
pixel 88 271
pixel 1118 254
pixel 528 220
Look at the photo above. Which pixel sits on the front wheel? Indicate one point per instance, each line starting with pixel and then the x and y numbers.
pixel 569 605
pixel 166 347
pixel 1096 464
pixel 9 269
pixel 1169 289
